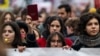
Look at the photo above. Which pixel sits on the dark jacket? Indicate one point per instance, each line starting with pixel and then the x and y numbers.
pixel 30 41
pixel 72 36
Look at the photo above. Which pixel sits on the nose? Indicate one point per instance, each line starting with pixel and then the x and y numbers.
pixel 93 26
pixel 8 20
pixel 59 15
pixel 6 34
pixel 54 27
pixel 55 44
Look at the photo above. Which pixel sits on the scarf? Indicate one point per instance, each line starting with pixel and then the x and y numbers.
pixel 90 41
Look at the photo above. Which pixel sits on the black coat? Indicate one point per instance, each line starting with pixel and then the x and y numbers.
pixel 30 41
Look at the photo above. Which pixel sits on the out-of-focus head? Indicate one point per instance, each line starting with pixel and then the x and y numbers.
pixel 89 24
pixel 7 17
pixel 64 11
pixel 56 40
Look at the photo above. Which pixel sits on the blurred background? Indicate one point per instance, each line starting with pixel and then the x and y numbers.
pixel 49 5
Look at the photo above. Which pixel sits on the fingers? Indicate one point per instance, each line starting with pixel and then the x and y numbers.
pixel 21 48
pixel 66 47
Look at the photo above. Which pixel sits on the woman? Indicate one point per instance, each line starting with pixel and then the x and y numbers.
pixel 56 40
pixel 54 24
pixel 10 35
pixel 28 39
pixel 7 16
pixel 89 31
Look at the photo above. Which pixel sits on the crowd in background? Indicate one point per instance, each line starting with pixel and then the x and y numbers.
pixel 66 27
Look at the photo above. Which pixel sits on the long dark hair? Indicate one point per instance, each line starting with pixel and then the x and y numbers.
pixel 84 19
pixel 46 33
pixel 60 36
pixel 2 18
pixel 17 40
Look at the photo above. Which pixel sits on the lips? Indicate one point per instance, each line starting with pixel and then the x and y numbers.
pixel 93 31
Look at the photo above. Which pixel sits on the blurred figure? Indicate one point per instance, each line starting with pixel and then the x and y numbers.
pixel 7 16
pixel 28 19
pixel 41 19
pixel 28 39
pixel 64 11
pixel 23 30
pixel 71 26
pixel 31 24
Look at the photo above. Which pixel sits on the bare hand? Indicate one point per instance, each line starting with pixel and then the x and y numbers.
pixel 21 48
pixel 66 47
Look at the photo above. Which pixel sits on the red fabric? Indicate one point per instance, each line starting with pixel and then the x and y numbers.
pixel 42 42
pixel 68 41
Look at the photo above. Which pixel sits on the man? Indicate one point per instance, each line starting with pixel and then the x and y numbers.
pixel 64 11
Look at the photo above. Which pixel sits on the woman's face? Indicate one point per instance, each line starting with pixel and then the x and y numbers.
pixel 9 34
pixel 7 18
pixel 56 41
pixel 92 27
pixel 23 33
pixel 55 26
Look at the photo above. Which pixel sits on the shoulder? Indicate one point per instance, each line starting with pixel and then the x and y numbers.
pixel 68 41
pixel 41 40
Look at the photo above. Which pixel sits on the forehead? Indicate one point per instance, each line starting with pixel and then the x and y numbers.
pixel 55 22
pixel 61 10
pixel 93 20
pixel 22 29
pixel 7 27
pixel 7 14
pixel 56 37
pixel 28 16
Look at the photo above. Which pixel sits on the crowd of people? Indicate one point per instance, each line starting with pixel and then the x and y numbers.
pixel 62 29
